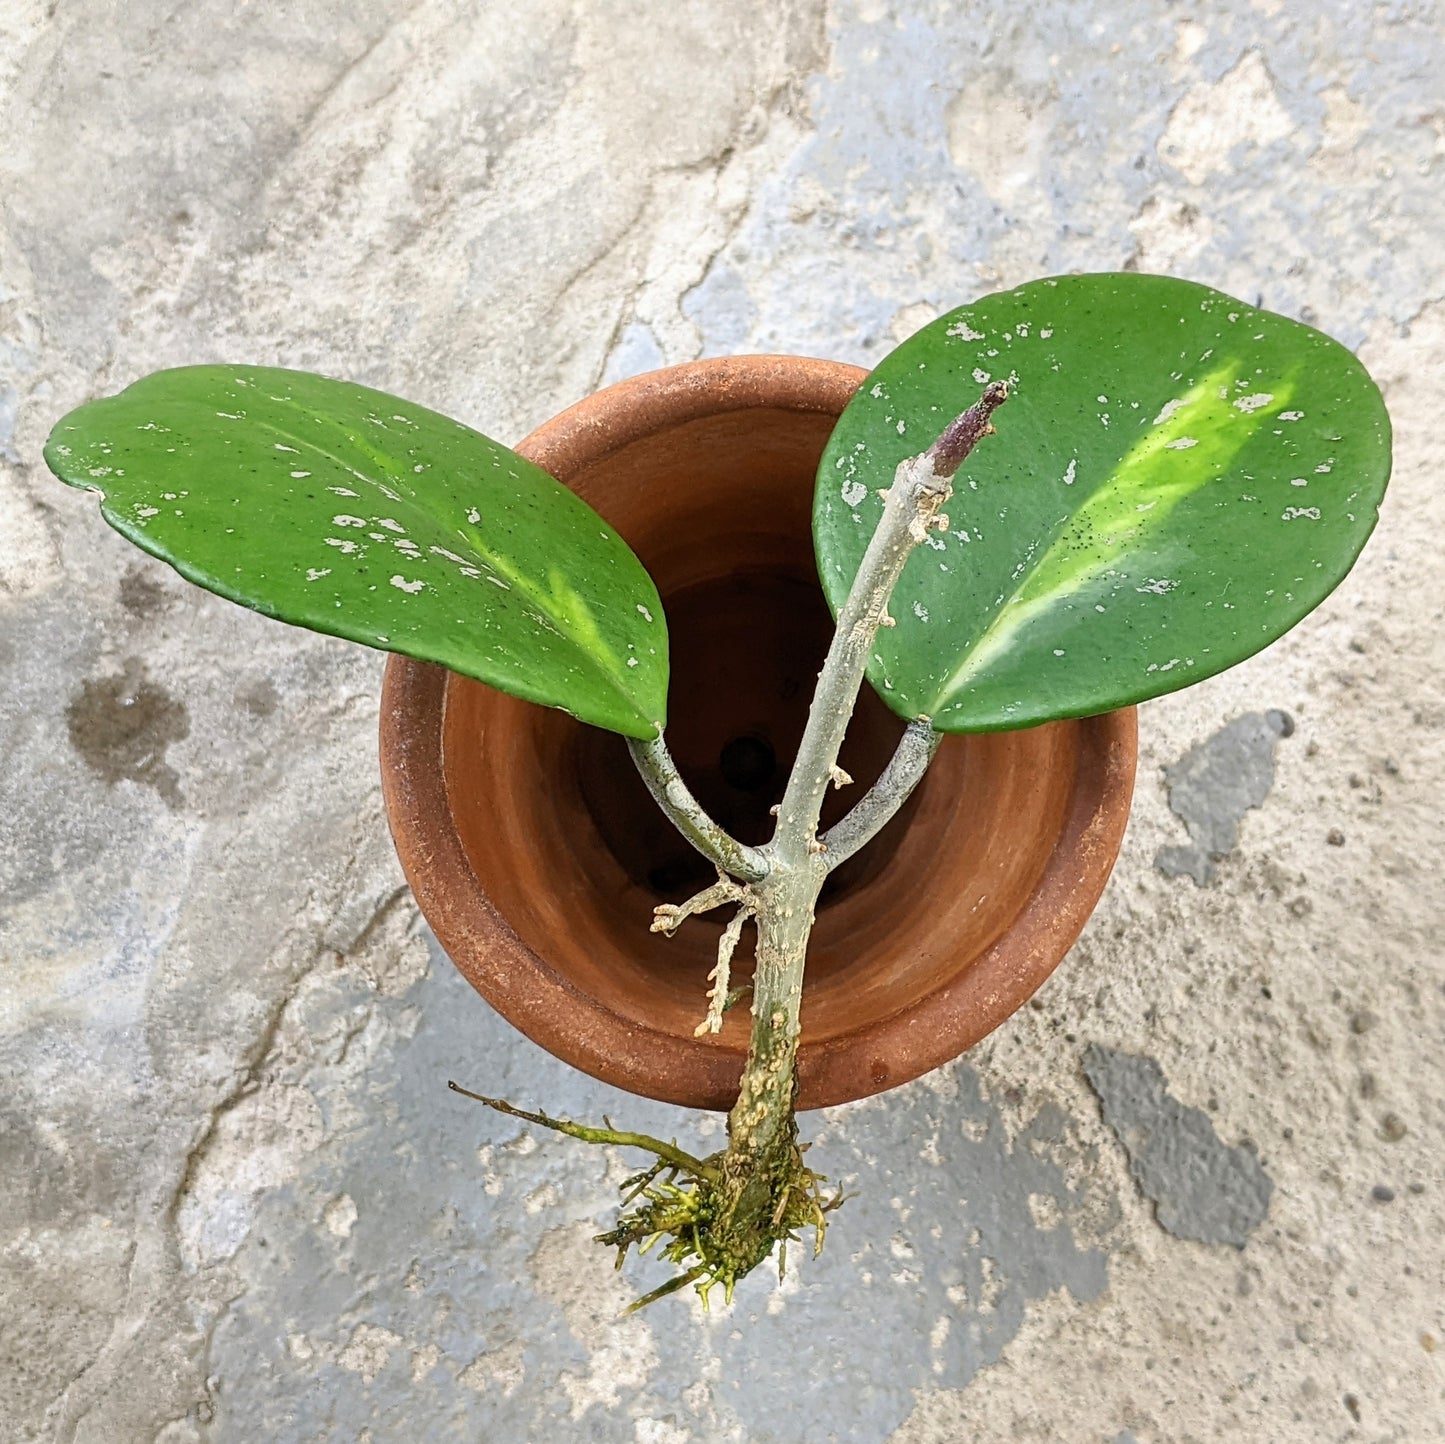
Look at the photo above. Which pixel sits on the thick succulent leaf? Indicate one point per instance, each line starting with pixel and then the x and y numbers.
pixel 1176 480
pixel 345 510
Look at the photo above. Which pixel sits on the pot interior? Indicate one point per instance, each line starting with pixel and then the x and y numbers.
pixel 572 852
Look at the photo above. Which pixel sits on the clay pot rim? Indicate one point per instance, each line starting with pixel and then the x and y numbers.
pixel 545 1005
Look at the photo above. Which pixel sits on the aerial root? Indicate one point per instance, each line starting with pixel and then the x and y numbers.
pixel 668 917
pixel 718 996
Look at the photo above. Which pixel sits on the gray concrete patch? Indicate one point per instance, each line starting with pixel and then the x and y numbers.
pixel 1201 1188
pixel 1214 784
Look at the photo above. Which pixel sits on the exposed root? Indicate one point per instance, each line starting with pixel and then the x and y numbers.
pixel 715 1220
pixel 668 917
pixel 718 995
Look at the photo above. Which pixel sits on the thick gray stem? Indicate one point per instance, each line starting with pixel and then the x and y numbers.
pixel 762 1114
pixel 763 1111
pixel 675 798
pixel 798 858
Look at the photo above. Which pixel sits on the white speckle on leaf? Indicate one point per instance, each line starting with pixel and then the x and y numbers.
pixel 1058 651
pixel 853 492
pixel 1168 410
pixel 981 376
pixel 1322 468
pixel 632 661
pixel 1159 586
pixel 147 511
pixel 876 392
pixel 345 520
pixel 297 475
pixel 1046 332
pixel 646 614
pixel 498 582
pixel 1253 403
pixel 902 427
pixel 1182 444
pixel 402 585
pixel 229 415
pixel 473 515
pixel 920 611
pixel 344 544
pixel 341 491
pixel 1293 513
pixel 1071 471
pixel 961 330
pixel 1291 415
pixel 1299 481
pixel 281 446
pixel 314 574
pixel 390 525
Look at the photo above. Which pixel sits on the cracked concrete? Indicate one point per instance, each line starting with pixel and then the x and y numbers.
pixel 236 1200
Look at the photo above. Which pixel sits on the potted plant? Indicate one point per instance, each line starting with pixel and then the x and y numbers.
pixel 1177 479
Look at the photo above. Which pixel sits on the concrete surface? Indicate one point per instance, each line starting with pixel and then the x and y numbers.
pixel 236 1201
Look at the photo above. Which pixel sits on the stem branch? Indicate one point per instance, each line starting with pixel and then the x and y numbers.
pixel 876 808
pixel 687 814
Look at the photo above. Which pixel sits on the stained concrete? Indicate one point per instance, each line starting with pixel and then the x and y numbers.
pixel 1201 1188
pixel 236 1201
pixel 1214 784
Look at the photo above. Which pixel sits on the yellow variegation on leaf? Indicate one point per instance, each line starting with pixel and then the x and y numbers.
pixel 1178 479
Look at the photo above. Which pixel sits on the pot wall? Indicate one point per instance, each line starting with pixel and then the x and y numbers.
pixel 537 856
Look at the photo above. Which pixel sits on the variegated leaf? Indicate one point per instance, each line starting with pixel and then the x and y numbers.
pixel 1176 480
pixel 349 511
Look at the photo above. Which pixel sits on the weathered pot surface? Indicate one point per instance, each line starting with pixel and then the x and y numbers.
pixel 537 856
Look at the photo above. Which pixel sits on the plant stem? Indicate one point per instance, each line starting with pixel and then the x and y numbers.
pixel 761 1124
pixel 687 814
pixel 725 1214
pixel 873 812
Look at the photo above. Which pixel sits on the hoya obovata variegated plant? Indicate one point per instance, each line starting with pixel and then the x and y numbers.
pixel 1178 479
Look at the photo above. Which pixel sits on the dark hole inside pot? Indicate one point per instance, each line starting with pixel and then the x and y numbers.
pixel 747 763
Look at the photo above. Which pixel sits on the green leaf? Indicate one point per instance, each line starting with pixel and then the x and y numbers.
pixel 1177 479
pixel 345 510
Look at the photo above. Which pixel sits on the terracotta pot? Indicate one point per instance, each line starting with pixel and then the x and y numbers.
pixel 537 856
